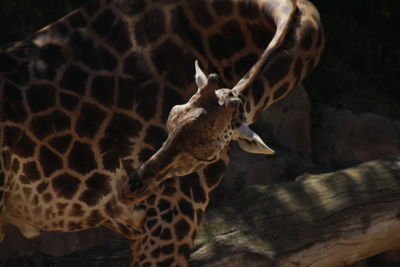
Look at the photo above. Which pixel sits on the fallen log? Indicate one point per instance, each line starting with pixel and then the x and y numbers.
pixel 329 219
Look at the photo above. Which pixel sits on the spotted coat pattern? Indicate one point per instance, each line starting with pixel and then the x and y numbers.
pixel 85 100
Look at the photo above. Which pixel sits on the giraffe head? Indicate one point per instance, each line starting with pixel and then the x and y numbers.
pixel 198 134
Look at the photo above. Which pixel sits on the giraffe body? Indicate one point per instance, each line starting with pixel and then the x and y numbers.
pixel 86 100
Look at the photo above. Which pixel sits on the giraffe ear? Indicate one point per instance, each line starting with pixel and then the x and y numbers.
pixel 200 77
pixel 251 142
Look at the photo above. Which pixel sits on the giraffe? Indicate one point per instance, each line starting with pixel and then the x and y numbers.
pixel 198 134
pixel 85 104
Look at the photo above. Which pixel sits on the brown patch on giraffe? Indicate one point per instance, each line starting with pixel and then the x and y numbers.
pixel 150 27
pixel 42 126
pixel 157 231
pixel 298 68
pixel 222 8
pixel 213 172
pixel 190 185
pixel 65 185
pixel 163 204
pixel 81 158
pixel 135 66
pixel 49 161
pixel 182 229
pixel 94 219
pixel 257 89
pixel 147 103
pixel 131 8
pixel 228 41
pixel 104 22
pixel 260 34
pixel 249 10
pixel 166 262
pixel 169 190
pixel 42 187
pixel 183 27
pixel 102 89
pixel 74 79
pixel 47 197
pixel 61 143
pixel 117 140
pixel 151 223
pixel 186 208
pixel 89 120
pixel 68 101
pixel 151 213
pixel 168 249
pixel 90 53
pixel 308 35
pixel 201 13
pixel 155 136
pixel 119 37
pixel 242 65
pixel 184 250
pixel 24 147
pixel 98 186
pixel 166 234
pixel 278 69
pixel 176 74
pixel 61 208
pixel 167 217
pixel 281 91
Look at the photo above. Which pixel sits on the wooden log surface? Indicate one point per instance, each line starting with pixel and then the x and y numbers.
pixel 320 220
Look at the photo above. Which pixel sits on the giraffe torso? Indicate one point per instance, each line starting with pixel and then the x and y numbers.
pixel 85 100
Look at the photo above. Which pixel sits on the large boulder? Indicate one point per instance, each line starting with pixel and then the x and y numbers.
pixel 342 138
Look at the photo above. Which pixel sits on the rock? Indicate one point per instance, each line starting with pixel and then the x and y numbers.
pixel 342 138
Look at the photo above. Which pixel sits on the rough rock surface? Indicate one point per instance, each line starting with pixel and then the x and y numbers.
pixel 342 138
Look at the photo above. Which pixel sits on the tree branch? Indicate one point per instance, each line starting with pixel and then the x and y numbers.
pixel 320 220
